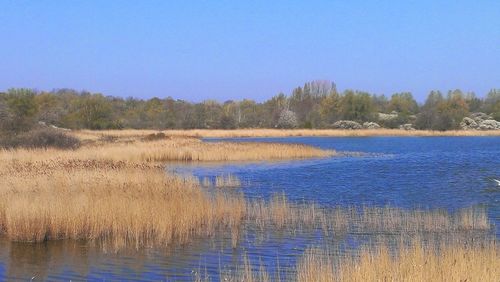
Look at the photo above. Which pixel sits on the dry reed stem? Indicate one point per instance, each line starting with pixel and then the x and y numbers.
pixel 219 133
pixel 227 181
pixel 179 149
pixel 145 207
pixel 126 206
pixel 207 182
pixel 441 261
pixel 415 263
pixel 279 214
pixel 118 191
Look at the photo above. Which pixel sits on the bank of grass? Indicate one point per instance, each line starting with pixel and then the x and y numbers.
pixel 405 245
pixel 227 181
pixel 455 262
pixel 141 206
pixel 279 213
pixel 162 151
pixel 218 133
pixel 116 190
pixel 123 206
pixel 416 261
pixel 39 138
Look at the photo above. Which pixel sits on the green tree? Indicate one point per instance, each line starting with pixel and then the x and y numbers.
pixel 50 109
pixel 474 103
pixel 455 108
pixel 492 103
pixel 442 114
pixel 403 103
pixel 429 115
pixel 5 116
pixel 22 109
pixel 250 114
pixel 356 106
pixel 93 112
pixel 330 108
pixel 381 103
pixel 273 108
pixel 155 113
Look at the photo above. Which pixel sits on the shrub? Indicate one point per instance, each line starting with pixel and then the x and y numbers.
pixel 288 119
pixel 155 136
pixel 40 138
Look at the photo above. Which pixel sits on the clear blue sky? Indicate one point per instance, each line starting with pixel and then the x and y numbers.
pixel 195 50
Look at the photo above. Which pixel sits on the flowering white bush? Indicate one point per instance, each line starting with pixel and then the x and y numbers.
pixel 288 119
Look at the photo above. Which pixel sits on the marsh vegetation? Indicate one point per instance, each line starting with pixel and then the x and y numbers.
pixel 117 190
pixel 114 190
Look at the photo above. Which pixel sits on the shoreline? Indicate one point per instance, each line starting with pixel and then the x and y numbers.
pixel 242 133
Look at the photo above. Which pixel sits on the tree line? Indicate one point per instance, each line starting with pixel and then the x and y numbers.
pixel 316 104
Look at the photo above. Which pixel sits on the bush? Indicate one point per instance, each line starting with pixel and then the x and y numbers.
pixel 40 138
pixel 18 110
pixel 288 119
pixel 155 136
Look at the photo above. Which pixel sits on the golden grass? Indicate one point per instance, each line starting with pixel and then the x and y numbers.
pixel 414 261
pixel 279 213
pixel 324 132
pixel 140 153
pixel 219 133
pixel 168 150
pixel 126 206
pixel 454 262
pixel 139 204
pixel 207 182
pixel 227 181
pixel 119 191
pixel 125 134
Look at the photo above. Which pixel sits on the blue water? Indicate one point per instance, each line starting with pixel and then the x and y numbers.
pixel 409 172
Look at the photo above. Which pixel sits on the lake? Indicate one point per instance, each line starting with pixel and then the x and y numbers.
pixel 446 173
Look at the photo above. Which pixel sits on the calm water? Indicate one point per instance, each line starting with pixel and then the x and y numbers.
pixel 438 172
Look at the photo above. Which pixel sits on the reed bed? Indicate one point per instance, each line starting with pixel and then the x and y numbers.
pixel 279 214
pixel 119 191
pixel 146 206
pixel 215 133
pixel 227 181
pixel 455 262
pixel 416 261
pixel 124 206
pixel 233 133
pixel 179 149
pixel 448 246
pixel 207 182
pixel 112 135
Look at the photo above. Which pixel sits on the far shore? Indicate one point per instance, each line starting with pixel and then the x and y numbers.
pixel 235 133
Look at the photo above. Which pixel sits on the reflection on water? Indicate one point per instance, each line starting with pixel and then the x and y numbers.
pixel 278 251
pixel 445 173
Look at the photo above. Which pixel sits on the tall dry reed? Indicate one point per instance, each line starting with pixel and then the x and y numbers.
pixel 417 261
pixel 128 207
pixel 454 262
pixel 118 191
pixel 220 133
pixel 178 149
pixel 279 213
pixel 227 181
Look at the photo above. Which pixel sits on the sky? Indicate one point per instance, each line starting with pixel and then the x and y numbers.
pixel 196 50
